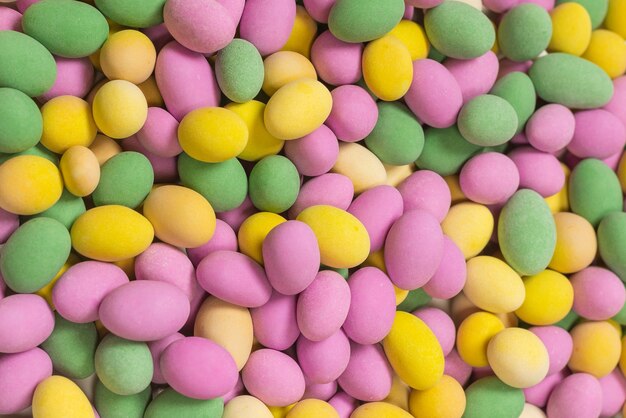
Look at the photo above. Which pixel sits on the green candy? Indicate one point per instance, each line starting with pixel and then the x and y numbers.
pixel 517 89
pixel 435 55
pixel 27 65
pixel 34 254
pixel 620 317
pixel 489 397
pixel 112 405
pixel 21 124
pixel 66 210
pixel 224 184
pixel 124 367
pixel 445 151
pixel 414 300
pixel 524 32
pixel 527 232
pixel 38 150
pixel 596 8
pixel 239 71
pixel 612 242
pixel 594 191
pixel 459 30
pixel 71 347
pixel 397 138
pixel 170 404
pixel 571 81
pixel 364 20
pixel 133 13
pixel 125 179
pixel 274 184
pixel 488 120
pixel 569 321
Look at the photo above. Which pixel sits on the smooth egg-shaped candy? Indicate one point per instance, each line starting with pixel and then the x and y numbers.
pixel 337 62
pixel 283 67
pixel 362 21
pixel 124 367
pixel 590 338
pixel 25 322
pixel 579 394
pixel 20 119
pixel 485 393
pixel 67 121
pixel 324 361
pixel 487 120
pixel 169 403
pixel 475 76
pixel 387 68
pixel 133 13
pixel 360 165
pixel 473 336
pixel 445 399
pixel 328 189
pixel 245 404
pixel 239 71
pixel 59 397
pixel 611 235
pixel 110 403
pixel 576 243
pixel 20 373
pixel 156 349
pixel 120 109
pixel 598 134
pixel 274 184
pixel 450 277
pixel 80 170
pixel 368 376
pixel 267 25
pixel 492 285
pixel 379 409
pixel 128 55
pixel 275 322
pixel 445 151
pixel 549 297
pixel 570 14
pixel 125 179
pixel 524 32
pixel 517 89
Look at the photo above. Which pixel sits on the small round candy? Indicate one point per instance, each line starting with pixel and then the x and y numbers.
pixel 159 134
pixel 576 243
pixel 67 121
pixel 549 298
pixel 128 55
pixel 275 322
pixel 607 50
pixel 412 35
pixel 169 402
pixel 274 184
pixel 559 344
pixel 246 404
pixel 224 238
pixel 387 68
pixel 538 171
pixel 253 231
pixel 283 67
pixel 104 148
pixel 337 62
pixel 21 373
pixel 80 169
pixel 579 394
pixel 360 165
pixel 21 122
pixel 267 25
pixel 524 32
pixel 314 154
pixel 474 334
pixel 598 134
pixel 598 293
pixel 590 338
pixel 26 322
pixel 353 115
pixel 445 400
pixel 449 279
pixel 484 393
pixel 441 325
pixel 309 408
pixel 475 76
pixel 362 21
pixel 565 17
pixel 125 179
pixel 135 13
pixel 489 178
pixel 550 128
pixel 426 190
pixel 367 360
pixel 239 71
pixel 613 393
pixel 469 226
pixel 323 361
pixel 123 366
pixel 58 396
pixel 328 189
pixel 487 120
pixel 119 109
pixel 493 286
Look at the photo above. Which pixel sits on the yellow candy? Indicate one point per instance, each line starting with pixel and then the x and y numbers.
pixel 80 170
pixel 151 91
pixel 387 68
pixel 576 243
pixel 376 259
pixel 549 298
pixel 597 348
pixel 246 406
pixel 414 352
pixel 59 397
pixel 278 411
pixel 212 134
pixel 616 17
pixel 607 50
pixel 312 408
pixel 518 357
pixel 128 55
pixel 111 233
pixel 621 172
pixel 445 400
pixel 128 265
pixel 342 238
pixel 260 142
pixel 532 411
pixel 297 109
pixel 104 148
pixel 399 393
pixel 413 37
pixel 559 202
pixel 253 231
pixel 455 188
pixel 29 185
pixel 302 33
pixel 360 165
pixel 67 121
pixel 474 335
pixel 493 286
pixel 396 174
pixel 571 29
pixel 470 226
pixel 379 410
pixel 401 294
pixel 180 216
pixel 283 67
pixel 120 109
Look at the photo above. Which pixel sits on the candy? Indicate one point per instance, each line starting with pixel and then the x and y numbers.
pixel 128 55
pixel 473 336
pixel 359 21
pixel 475 76
pixel 274 184
pixel 110 404
pixel 354 113
pixel 337 62
pixel 579 394
pixel 30 367
pixel 610 242
pixel 253 231
pixel 518 90
pixel 239 71
pixel 549 298
pixel 487 120
pixel 571 27
pixel 446 400
pixel 493 286
pixel 119 109
pixel 124 367
pixel 366 360
pixel 489 178
pixel 310 408
pixel 469 226
pixel 368 173
pixel 26 322
pixel 246 404
pixel 596 9
pixel 267 25
pixel 598 134
pixel 260 142
pixel 20 121
pixel 57 397
pixel 615 16
pixel 387 68
pixel 283 67
pixel 328 189
pixel 606 49
pixel 589 284
pixel 524 32
pixel 125 179
pixel 302 33
pixel 325 360
pixel 275 322
pixel 171 402
pixel 135 13
pixel 550 128
pixel 490 398
pixel 588 337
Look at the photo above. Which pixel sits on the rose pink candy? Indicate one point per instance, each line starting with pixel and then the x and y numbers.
pixel 74 78
pixel 617 105
pixel 267 24
pixel 22 5
pixel 10 19
pixel 434 96
pixel 409 12
pixel 336 62
pixel 413 249
pixel 424 4
pixel 159 134
pixel 475 76
pixel 77 295
pixel 550 128
pixel 598 293
pixel 9 222
pixel 319 9
pixel 275 324
pixel 368 376
pixel 322 391
pixel 456 368
pixel 426 190
pixel 539 394
pixel 315 153
pixel 377 209
pixel 372 306
pixel 344 404
pixel 507 66
pixel 238 390
pixel 546 4
pixel 354 113
pixel 324 361
pixel 331 189
pixel 223 238
pixel 578 395
pixel 613 393
pixel 20 373
pixel 559 344
pixel 234 8
pixel 539 171
pixel 500 6
pixel 235 278
pixel 25 322
pixel 235 217
pixel 273 377
pixel 165 169
pixel 156 349
pixel 489 178
pixel 198 368
pixel 185 79
pixel 159 35
pixel 323 306
pixel 441 325
pixel 598 134
pixel 449 279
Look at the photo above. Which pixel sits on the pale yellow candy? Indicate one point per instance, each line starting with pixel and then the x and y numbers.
pixel 474 335
pixel 571 29
pixel 104 148
pixel 532 411
pixel 616 17
pixel 80 170
pixel 312 408
pixel 608 51
pixel 399 393
pixel 597 348
pixel 396 174
pixel 59 397
pixel 379 410
pixel 360 165
pixel 120 109
pixel 445 400
pixel 470 226
pixel 518 357
pixel 387 68
pixel 576 243
pixel 283 67
pixel 493 286
pixel 253 231
pixel 151 91
pixel 260 142
pixel 549 298
pixel 246 406
pixel 413 36
pixel 128 55
pixel 67 121
pixel 302 33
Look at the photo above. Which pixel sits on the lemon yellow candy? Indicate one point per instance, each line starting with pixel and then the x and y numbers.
pixel 253 231
pixel 212 134
pixel 399 393
pixel 302 33
pixel 283 67
pixel 473 336
pixel 80 170
pixel 444 400
pixel 297 109
pixel 549 298
pixel 59 397
pixel 379 410
pixel 46 291
pixel 401 294
pixel 608 51
pixel 151 91
pixel 180 216
pixel 312 408
pixel 246 406
pixel 128 55
pixel 342 238
pixel 597 348
pixel 576 243
pixel 470 226
pixel 376 259
pixel 120 109
pixel 260 142
pixel 396 174
pixel 29 185
pixel 111 233
pixel 104 148
pixel 616 17
pixel 278 411
pixel 413 36
pixel 67 121
pixel 387 68
pixel 492 285
pixel 559 202
pixel 360 165
pixel 571 29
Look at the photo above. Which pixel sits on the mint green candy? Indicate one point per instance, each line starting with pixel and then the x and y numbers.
pixel 524 32
pixel 397 138
pixel 489 397
pixel 594 191
pixel 274 184
pixel 21 124
pixel 125 367
pixel 133 13
pixel 517 89
pixel 445 151
pixel 620 317
pixel 596 8
pixel 364 20
pixel 66 210
pixel 487 120
pixel 112 405
pixel 569 321
pixel 224 184
pixel 125 179
pixel 414 300
pixel 170 403
pixel 239 71
pixel 612 242
pixel 38 150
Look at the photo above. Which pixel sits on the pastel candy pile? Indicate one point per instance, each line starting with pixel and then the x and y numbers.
pixel 312 209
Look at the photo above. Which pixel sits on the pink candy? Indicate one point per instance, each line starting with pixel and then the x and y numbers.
pixel 20 374
pixel 267 24
pixel 426 190
pixel 598 134
pixel 368 376
pixel 489 178
pixel 74 77
pixel 449 278
pixel 314 154
pixel 475 76
pixel 354 113
pixel 328 189
pixel 598 293
pixel 538 171
pixel 324 361
pixel 275 323
pixel 550 128
pixel 25 322
pixel 224 238
pixel 578 395
pixel 159 134
pixel 336 62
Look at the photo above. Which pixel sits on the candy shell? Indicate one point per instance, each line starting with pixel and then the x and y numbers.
pixel 57 397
